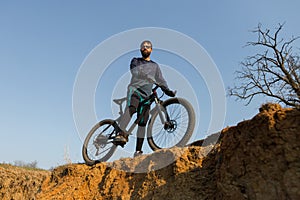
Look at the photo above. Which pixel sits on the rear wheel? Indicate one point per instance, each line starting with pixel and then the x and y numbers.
pixel 177 130
pixel 98 146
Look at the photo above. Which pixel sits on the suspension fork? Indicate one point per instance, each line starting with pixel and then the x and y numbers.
pixel 158 107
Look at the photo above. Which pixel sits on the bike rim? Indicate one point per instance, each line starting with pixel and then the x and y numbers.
pixel 98 149
pixel 169 137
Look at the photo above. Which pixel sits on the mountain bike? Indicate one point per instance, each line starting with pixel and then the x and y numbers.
pixel 171 124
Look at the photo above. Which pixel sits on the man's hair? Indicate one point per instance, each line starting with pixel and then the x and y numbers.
pixel 146 41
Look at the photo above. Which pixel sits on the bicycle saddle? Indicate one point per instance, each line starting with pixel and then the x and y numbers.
pixel 120 101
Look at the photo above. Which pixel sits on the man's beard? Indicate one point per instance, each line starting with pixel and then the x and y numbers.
pixel 145 54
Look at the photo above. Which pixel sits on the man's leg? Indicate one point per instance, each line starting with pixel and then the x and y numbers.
pixel 129 111
pixel 140 138
pixel 143 117
pixel 122 137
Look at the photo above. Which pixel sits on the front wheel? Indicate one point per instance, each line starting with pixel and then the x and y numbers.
pixel 98 146
pixel 179 126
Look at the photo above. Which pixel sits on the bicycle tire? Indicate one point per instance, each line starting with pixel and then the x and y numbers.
pixel 96 141
pixel 178 136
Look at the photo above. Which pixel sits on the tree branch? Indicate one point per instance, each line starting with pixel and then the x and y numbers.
pixel 274 73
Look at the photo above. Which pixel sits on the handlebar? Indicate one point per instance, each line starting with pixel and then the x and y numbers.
pixel 167 92
pixel 155 88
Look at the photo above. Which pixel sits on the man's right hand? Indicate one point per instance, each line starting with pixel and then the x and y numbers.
pixel 170 93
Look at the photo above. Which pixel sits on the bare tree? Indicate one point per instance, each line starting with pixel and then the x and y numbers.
pixel 274 73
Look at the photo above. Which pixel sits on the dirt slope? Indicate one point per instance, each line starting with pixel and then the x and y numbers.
pixel 20 183
pixel 260 158
pixel 257 159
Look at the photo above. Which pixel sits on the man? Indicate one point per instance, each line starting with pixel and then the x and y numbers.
pixel 144 72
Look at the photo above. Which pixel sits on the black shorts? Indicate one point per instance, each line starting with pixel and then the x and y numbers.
pixel 142 110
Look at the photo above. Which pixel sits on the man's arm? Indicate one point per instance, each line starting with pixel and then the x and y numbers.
pixel 163 83
pixel 133 67
pixel 159 79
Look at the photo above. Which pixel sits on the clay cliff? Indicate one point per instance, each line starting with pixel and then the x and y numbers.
pixel 256 159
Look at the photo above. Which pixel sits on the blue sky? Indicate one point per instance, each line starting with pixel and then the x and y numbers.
pixel 44 43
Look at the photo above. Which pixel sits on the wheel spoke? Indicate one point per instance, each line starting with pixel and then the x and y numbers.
pixel 97 146
pixel 178 131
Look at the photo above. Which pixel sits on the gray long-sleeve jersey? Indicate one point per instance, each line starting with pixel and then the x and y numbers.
pixel 142 72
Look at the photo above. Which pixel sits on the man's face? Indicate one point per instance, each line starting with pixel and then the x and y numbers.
pixel 146 49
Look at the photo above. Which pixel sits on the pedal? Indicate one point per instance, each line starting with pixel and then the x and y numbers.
pixel 117 143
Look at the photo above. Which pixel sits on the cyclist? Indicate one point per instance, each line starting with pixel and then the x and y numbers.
pixel 144 72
